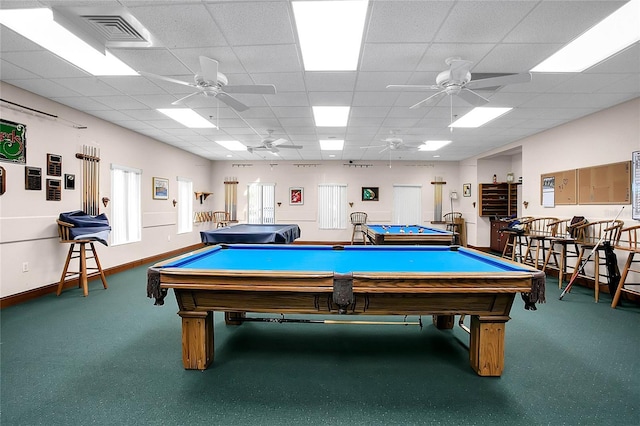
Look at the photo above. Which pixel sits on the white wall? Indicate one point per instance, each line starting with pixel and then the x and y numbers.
pixel 28 231
pixel 286 174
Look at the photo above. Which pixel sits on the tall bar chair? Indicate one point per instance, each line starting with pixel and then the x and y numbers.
pixel 515 230
pixel 588 236
pixel 455 224
pixel 537 234
pixel 358 219
pixel 85 250
pixel 628 242
pixel 221 219
pixel 562 245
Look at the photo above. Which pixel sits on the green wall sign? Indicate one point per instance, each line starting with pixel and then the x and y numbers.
pixel 13 142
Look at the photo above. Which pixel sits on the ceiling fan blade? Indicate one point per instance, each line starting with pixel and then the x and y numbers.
pixel 279 141
pixel 209 68
pixel 232 102
pixel 169 79
pixel 459 69
pixel 413 87
pixel 256 89
pixel 472 98
pixel 181 100
pixel 383 149
pixel 291 146
pixel 499 81
pixel 425 101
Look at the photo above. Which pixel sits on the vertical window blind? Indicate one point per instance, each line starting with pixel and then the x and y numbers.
pixel 185 205
pixel 261 203
pixel 407 204
pixel 126 212
pixel 332 206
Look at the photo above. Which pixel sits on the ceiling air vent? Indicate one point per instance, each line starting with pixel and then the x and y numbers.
pixel 104 26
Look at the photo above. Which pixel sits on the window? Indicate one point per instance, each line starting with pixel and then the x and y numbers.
pixel 185 205
pixel 407 204
pixel 332 206
pixel 261 203
pixel 126 214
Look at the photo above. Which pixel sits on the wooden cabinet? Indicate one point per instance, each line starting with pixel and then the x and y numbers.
pixel 498 199
pixel 498 239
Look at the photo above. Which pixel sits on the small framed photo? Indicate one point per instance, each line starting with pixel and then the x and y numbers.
pixel 370 193
pixel 160 188
pixel 296 196
pixel 466 190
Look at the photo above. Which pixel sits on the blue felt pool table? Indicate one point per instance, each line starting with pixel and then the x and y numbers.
pixel 407 234
pixel 375 280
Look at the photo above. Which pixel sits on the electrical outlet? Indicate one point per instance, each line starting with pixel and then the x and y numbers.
pixel 168 237
pixel 25 266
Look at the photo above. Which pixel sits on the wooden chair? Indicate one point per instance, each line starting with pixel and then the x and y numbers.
pixel 357 220
pixel 513 248
pixel 83 273
pixel 588 236
pixel 221 219
pixel 455 223
pixel 537 234
pixel 629 241
pixel 562 246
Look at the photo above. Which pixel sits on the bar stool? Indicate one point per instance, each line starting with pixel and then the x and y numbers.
pixel 513 248
pixel 562 246
pixel 589 235
pixel 454 223
pixel 221 219
pixel 85 250
pixel 358 219
pixel 628 241
pixel 537 235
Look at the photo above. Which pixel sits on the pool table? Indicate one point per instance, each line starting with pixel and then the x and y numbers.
pixel 252 234
pixel 374 280
pixel 407 234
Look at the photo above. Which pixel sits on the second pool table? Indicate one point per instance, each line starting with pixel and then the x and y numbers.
pixel 351 280
pixel 407 234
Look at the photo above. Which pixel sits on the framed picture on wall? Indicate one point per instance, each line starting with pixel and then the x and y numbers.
pixel 370 193
pixel 296 196
pixel 466 190
pixel 160 188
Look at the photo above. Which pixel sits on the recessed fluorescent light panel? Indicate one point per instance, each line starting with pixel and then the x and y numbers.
pixel 187 117
pixel 232 145
pixel 330 33
pixel 331 144
pixel 38 26
pixel 479 116
pixel 433 145
pixel 614 33
pixel 331 116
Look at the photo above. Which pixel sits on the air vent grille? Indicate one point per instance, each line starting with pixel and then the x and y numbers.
pixel 114 28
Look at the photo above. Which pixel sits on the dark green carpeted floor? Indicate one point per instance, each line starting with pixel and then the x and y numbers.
pixel 114 358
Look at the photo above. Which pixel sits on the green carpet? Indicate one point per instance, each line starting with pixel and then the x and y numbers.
pixel 114 358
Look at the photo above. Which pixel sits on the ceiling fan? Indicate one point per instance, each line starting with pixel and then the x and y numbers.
pixel 209 82
pixel 392 143
pixel 457 80
pixel 272 144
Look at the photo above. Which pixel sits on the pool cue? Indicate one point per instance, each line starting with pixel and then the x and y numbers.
pixel 584 262
pixel 325 321
pixel 97 194
pixel 85 184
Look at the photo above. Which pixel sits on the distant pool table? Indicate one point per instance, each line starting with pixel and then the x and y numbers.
pixel 351 280
pixel 252 234
pixel 407 234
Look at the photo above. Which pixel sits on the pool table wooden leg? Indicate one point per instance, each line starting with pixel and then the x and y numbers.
pixel 444 322
pixel 197 339
pixel 486 349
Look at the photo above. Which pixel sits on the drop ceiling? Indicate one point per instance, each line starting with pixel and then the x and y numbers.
pixel 404 42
